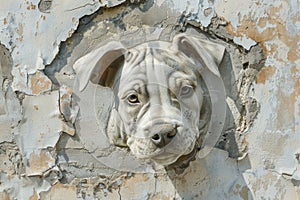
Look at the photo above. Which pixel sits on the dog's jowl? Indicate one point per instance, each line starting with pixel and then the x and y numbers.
pixel 162 106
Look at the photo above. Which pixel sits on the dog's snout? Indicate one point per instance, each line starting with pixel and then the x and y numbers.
pixel 164 136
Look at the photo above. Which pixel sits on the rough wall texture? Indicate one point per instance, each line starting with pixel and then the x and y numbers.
pixel 49 134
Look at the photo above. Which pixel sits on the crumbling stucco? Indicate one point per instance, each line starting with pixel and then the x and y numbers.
pixel 52 144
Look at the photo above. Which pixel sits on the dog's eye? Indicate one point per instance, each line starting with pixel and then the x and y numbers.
pixel 133 98
pixel 186 91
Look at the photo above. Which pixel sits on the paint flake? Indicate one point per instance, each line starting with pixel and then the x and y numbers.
pixel 244 41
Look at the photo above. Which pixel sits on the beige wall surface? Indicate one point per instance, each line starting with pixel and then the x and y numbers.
pixel 53 143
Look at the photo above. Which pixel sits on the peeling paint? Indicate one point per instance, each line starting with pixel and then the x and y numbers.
pixel 39 163
pixel 68 109
pixel 265 74
pixel 247 43
pixel 55 23
pixel 52 144
pixel 39 83
pixel 60 191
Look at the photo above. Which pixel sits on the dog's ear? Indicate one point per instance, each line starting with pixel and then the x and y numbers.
pixel 100 65
pixel 200 50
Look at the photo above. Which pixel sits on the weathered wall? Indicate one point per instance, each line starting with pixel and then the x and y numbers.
pixel 49 135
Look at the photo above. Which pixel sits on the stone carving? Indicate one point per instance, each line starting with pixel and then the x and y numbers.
pixel 164 102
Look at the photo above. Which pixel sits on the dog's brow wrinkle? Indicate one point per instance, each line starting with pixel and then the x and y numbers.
pixel 137 56
pixel 136 85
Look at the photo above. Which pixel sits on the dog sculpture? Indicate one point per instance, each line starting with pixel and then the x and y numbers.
pixel 162 105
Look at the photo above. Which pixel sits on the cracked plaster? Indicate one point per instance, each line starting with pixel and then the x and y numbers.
pixel 46 151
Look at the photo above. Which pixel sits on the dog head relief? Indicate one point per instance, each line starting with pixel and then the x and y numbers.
pixel 163 94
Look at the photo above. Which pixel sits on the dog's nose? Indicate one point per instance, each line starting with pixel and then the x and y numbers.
pixel 164 137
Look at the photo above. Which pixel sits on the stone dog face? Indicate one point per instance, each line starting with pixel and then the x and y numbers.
pixel 159 104
pixel 162 106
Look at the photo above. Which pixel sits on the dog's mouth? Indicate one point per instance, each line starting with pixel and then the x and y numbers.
pixel 160 157
pixel 144 148
pixel 166 158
